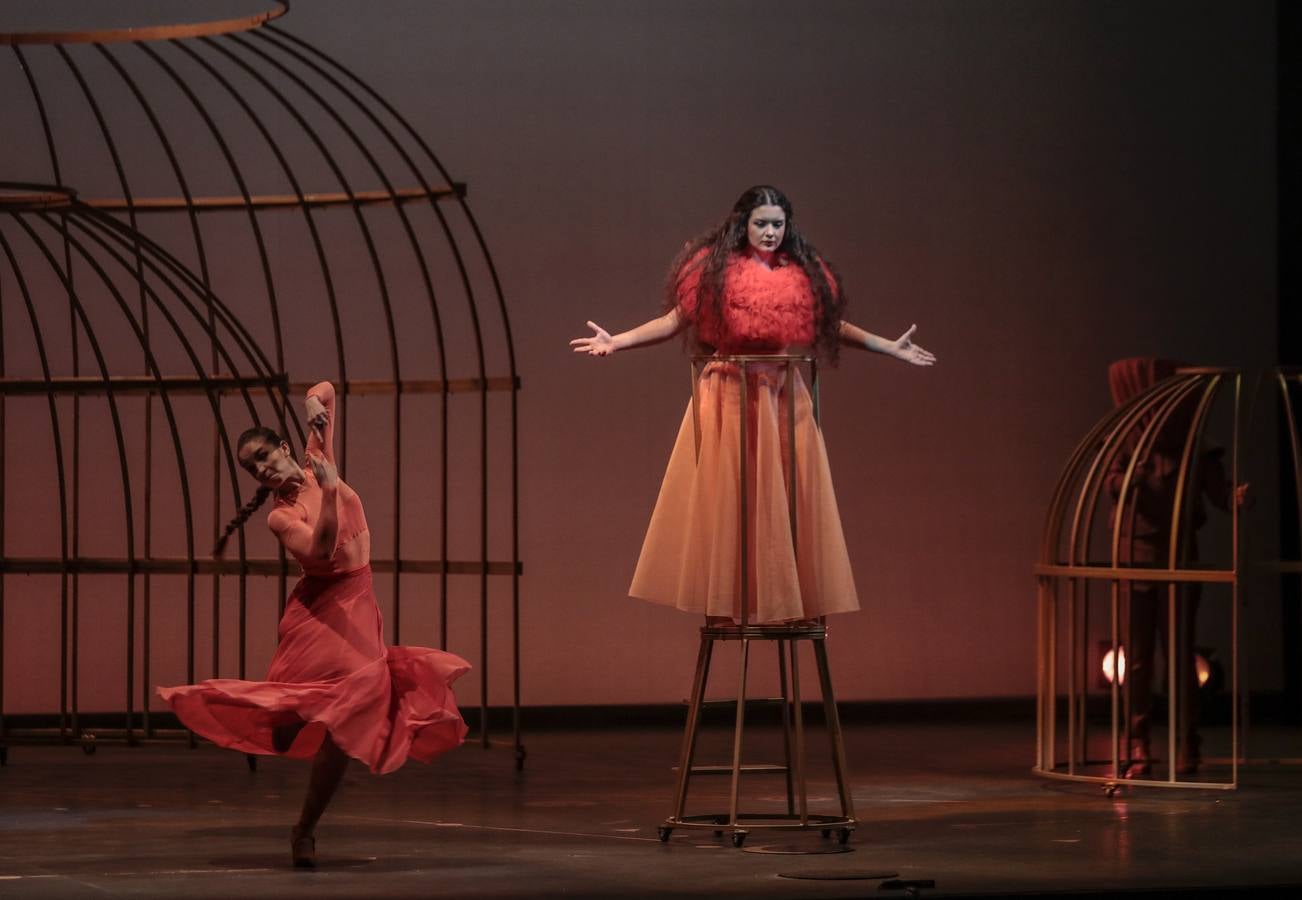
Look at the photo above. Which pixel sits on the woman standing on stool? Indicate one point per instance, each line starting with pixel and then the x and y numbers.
pixel 752 285
pixel 334 690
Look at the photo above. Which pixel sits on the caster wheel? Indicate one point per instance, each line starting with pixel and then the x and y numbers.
pixel 1110 790
pixel 843 836
pixel 252 762
pixel 738 838
pixel 663 833
pixel 88 743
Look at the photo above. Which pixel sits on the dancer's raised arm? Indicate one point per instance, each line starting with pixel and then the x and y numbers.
pixel 902 348
pixel 319 406
pixel 603 343
pixel 315 541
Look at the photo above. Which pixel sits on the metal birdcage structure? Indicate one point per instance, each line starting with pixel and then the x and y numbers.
pixel 201 220
pixel 1122 531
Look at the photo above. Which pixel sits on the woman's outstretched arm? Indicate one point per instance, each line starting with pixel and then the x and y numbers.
pixel 901 348
pixel 603 343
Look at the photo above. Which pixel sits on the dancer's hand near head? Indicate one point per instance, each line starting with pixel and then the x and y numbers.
pixel 327 476
pixel 317 417
pixel 603 343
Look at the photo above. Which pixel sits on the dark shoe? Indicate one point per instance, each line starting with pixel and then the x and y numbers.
pixel 1141 763
pixel 1191 757
pixel 302 849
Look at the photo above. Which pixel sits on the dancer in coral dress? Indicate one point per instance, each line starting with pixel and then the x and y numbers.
pixel 752 285
pixel 334 690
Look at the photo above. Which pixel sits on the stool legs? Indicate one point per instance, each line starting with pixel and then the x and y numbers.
pixel 737 734
pixel 797 815
pixel 798 708
pixel 834 730
pixel 786 723
pixel 693 720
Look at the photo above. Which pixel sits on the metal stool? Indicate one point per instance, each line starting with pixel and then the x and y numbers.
pixel 797 816
pixel 787 638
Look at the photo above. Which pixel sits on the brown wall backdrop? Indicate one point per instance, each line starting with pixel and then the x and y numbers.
pixel 1042 187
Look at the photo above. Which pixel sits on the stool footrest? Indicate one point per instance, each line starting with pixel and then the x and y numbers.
pixel 753 768
pixel 732 701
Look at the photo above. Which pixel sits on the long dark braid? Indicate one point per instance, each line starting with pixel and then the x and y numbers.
pixel 257 432
pixel 729 237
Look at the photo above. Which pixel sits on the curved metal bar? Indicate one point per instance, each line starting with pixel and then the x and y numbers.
pixel 429 154
pixel 161 260
pixel 381 282
pixel 175 164
pixel 1110 447
pixel 434 311
pixel 64 612
pixel 147 33
pixel 213 398
pixel 38 339
pixel 111 145
pixel 318 246
pixel 1180 510
pixel 1050 536
pixel 1159 407
pixel 209 391
pixel 268 280
pixel 1291 420
pixel 214 304
pixel 117 431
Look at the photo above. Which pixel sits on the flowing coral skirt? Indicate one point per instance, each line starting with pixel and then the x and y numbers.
pixel 380 705
pixel 691 556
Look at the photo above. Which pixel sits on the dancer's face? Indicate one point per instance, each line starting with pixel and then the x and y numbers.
pixel 766 228
pixel 271 464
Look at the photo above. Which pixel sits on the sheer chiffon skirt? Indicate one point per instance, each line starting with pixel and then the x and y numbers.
pixel 691 556
pixel 381 705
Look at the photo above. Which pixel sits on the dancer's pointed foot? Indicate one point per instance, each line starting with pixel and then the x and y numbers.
pixel 302 848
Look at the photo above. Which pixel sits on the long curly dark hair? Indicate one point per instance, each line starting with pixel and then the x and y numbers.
pixel 257 432
pixel 729 237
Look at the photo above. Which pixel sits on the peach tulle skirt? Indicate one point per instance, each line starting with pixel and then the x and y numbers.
pixel 691 556
pixel 332 670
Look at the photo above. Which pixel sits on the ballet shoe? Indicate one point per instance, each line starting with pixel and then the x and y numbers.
pixel 302 849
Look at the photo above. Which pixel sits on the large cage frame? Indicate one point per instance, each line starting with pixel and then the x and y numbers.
pixel 389 239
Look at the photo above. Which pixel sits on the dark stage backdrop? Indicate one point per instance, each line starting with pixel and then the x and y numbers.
pixel 1042 187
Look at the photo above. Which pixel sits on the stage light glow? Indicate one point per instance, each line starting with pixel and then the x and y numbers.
pixel 1120 666
pixel 1203 669
pixel 1202 666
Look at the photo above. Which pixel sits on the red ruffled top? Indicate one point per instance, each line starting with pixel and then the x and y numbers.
pixel 765 310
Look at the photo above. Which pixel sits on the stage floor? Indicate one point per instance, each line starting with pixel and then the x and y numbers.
pixel 953 802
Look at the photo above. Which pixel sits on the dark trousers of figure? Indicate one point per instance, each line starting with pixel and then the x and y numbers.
pixel 1150 621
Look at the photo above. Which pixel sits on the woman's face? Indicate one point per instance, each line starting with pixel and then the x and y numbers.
pixel 766 228
pixel 271 464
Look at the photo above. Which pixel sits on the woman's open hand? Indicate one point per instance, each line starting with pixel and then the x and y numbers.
pixel 904 349
pixel 600 344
